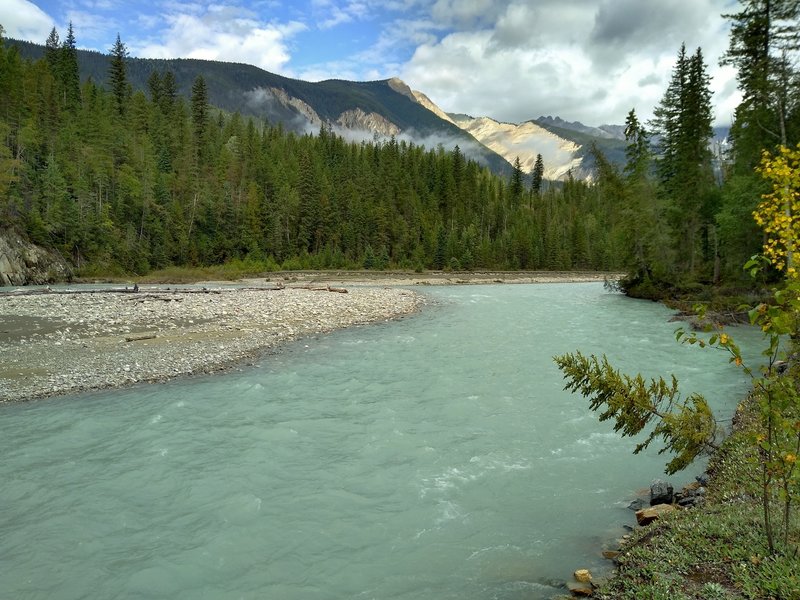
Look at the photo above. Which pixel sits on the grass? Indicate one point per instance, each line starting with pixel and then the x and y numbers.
pixel 717 550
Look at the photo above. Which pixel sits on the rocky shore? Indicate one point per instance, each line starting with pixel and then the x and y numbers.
pixel 62 343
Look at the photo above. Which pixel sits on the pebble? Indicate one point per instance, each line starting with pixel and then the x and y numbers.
pixel 200 333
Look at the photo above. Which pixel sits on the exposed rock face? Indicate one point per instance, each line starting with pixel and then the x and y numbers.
pixel 358 119
pixel 303 108
pixel 525 141
pixel 23 263
pixel 429 104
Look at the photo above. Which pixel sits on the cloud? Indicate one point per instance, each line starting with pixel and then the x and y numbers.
pixel 580 59
pixel 25 21
pixel 221 32
pixel 329 13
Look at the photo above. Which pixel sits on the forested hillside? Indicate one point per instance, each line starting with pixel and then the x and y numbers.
pixel 124 180
pixel 272 98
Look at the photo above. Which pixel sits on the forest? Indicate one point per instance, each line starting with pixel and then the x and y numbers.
pixel 124 181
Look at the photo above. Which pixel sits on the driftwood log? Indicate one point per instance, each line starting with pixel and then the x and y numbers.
pixel 139 338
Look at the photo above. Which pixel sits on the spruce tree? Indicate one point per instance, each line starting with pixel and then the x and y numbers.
pixel 515 186
pixel 51 50
pixel 117 75
pixel 69 70
pixel 683 122
pixel 763 33
pixel 537 175
pixel 637 152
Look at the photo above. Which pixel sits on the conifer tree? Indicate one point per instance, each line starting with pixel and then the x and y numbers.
pixel 515 186
pixel 69 70
pixel 117 75
pixel 637 152
pixel 51 50
pixel 683 121
pixel 537 175
pixel 199 104
pixel 762 34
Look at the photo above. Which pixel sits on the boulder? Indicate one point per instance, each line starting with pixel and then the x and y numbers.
pixel 580 589
pixel 583 576
pixel 610 554
pixel 661 492
pixel 637 504
pixel 648 515
pixel 691 495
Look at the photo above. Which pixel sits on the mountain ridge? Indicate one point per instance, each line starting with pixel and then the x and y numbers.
pixel 385 108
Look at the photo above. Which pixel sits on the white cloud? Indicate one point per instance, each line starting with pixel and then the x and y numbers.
pixel 221 33
pixel 579 59
pixel 23 20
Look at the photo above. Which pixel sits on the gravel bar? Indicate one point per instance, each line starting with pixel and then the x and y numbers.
pixel 53 344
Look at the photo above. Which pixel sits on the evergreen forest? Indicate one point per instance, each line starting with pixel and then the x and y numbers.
pixel 123 181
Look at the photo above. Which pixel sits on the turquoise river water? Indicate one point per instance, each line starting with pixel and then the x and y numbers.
pixel 431 458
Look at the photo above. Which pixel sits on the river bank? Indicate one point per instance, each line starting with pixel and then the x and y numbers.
pixel 55 343
pixel 60 344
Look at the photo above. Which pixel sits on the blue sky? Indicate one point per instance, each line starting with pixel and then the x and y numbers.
pixel 513 60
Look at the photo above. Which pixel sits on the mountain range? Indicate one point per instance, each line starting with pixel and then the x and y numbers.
pixel 365 110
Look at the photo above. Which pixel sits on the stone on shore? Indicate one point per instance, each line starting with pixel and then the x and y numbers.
pixel 580 589
pixel 648 515
pixel 583 576
pixel 661 492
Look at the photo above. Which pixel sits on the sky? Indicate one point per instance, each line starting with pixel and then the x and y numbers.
pixel 512 60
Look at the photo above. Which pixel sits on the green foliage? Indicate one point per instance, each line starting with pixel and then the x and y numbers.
pixel 686 428
pixel 683 122
pixel 131 183
pixel 118 76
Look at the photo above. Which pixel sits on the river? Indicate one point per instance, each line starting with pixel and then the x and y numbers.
pixel 431 458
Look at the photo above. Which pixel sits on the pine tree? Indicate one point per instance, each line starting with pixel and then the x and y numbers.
pixel 199 106
pixel 537 176
pixel 637 152
pixel 51 50
pixel 117 75
pixel 762 35
pixel 515 186
pixel 683 121
pixel 69 71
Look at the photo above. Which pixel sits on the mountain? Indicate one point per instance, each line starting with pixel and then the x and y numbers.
pixel 362 110
pixel 602 132
pixel 525 141
pixel 353 109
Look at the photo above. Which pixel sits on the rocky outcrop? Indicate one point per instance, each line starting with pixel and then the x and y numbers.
pixel 303 108
pixel 358 119
pixel 24 263
pixel 525 141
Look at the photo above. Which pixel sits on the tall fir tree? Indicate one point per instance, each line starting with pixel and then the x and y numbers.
pixel 118 76
pixel 762 35
pixel 537 175
pixel 199 103
pixel 683 121
pixel 70 71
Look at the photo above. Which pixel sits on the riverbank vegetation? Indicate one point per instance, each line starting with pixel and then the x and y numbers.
pixel 744 542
